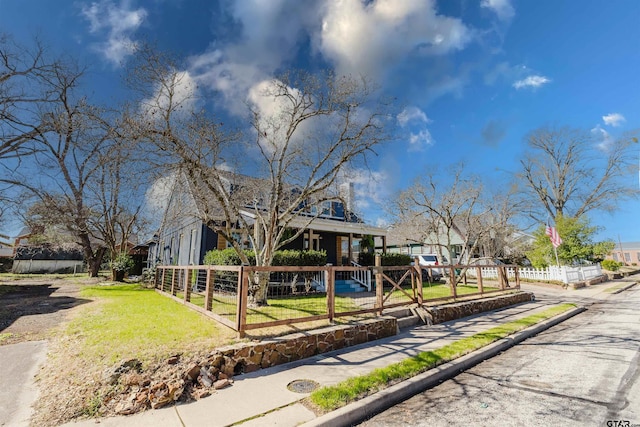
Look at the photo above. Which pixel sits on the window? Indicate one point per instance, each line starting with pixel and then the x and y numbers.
pixel 638 255
pixel 615 256
pixel 627 256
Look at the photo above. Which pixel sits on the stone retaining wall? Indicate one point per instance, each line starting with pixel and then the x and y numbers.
pixel 248 358
pixel 244 358
pixel 445 313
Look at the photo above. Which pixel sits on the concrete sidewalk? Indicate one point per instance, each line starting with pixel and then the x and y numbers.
pixel 262 398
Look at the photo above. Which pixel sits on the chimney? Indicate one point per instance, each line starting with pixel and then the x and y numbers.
pixel 347 194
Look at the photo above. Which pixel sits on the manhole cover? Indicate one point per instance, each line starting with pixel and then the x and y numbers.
pixel 302 386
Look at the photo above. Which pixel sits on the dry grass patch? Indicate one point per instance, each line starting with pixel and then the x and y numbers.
pixel 123 322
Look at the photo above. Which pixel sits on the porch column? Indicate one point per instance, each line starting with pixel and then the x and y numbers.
pixel 350 247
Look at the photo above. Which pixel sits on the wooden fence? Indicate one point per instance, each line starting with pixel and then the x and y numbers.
pixel 303 294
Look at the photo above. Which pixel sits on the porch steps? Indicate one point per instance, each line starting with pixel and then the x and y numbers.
pixel 346 286
pixel 407 316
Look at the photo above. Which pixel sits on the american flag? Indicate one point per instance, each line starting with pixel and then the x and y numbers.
pixel 554 236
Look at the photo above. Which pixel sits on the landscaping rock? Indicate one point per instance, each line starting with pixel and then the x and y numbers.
pixel 221 384
pixel 193 373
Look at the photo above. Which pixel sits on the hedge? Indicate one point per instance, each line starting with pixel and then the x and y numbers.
pixel 388 259
pixel 281 258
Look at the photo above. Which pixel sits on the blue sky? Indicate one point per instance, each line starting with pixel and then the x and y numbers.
pixel 474 76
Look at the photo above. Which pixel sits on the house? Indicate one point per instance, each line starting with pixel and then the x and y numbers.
pixel 627 253
pixel 184 239
pixel 30 257
pixel 405 241
pixel 6 248
pixel 507 246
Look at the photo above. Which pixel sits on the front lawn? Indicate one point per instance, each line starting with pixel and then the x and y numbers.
pixel 130 321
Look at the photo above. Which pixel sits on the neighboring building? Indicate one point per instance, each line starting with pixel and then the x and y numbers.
pixel 398 242
pixel 44 259
pixel 184 239
pixel 6 248
pixel 627 253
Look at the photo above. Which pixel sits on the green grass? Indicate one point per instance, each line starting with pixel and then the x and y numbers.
pixel 617 287
pixel 5 336
pixel 333 397
pixel 444 290
pixel 291 307
pixel 132 321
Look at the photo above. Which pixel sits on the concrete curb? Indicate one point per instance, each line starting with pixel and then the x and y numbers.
pixel 382 400
pixel 624 288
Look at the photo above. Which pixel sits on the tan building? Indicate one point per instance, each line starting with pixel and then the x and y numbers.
pixel 626 252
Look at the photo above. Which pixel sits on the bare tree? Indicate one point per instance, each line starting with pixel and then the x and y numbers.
pixel 435 208
pixel 24 88
pixel 306 131
pixel 115 217
pixel 73 176
pixel 568 172
pixel 24 78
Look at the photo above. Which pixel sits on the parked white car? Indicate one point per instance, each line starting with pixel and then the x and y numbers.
pixel 434 274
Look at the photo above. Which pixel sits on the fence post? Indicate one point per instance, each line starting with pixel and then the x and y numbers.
pixel 502 278
pixel 480 284
pixel 330 280
pixel 243 294
pixel 164 270
pixel 517 273
pixel 173 281
pixel 187 284
pixel 208 293
pixel 418 273
pixel 379 283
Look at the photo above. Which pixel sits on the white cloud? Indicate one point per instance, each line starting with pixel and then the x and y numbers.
pixel 372 188
pixel 412 114
pixel 614 119
pixel 421 140
pixel 531 81
pixel 370 37
pixel 603 139
pixel 502 8
pixel 119 22
pixel 180 89
pixel 357 36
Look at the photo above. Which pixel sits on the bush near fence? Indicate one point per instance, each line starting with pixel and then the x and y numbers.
pixel 281 283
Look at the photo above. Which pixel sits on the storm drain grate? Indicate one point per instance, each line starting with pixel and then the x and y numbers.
pixel 302 386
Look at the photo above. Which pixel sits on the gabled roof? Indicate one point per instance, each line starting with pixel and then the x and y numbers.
pixel 626 246
pixel 329 225
pixel 199 197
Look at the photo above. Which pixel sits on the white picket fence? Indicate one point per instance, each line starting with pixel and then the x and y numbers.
pixel 563 273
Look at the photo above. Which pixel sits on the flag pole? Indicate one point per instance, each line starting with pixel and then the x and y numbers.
pixel 555 251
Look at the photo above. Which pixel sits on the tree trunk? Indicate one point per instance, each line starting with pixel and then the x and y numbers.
pixel 94 260
pixel 258 289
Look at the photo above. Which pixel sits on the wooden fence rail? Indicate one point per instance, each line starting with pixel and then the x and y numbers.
pixel 303 294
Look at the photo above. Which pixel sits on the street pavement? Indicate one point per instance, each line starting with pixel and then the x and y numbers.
pixel 263 398
pixel 584 372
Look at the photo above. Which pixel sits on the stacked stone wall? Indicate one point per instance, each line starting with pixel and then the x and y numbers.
pixel 447 312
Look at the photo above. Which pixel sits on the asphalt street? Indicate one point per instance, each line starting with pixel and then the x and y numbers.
pixel 584 371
